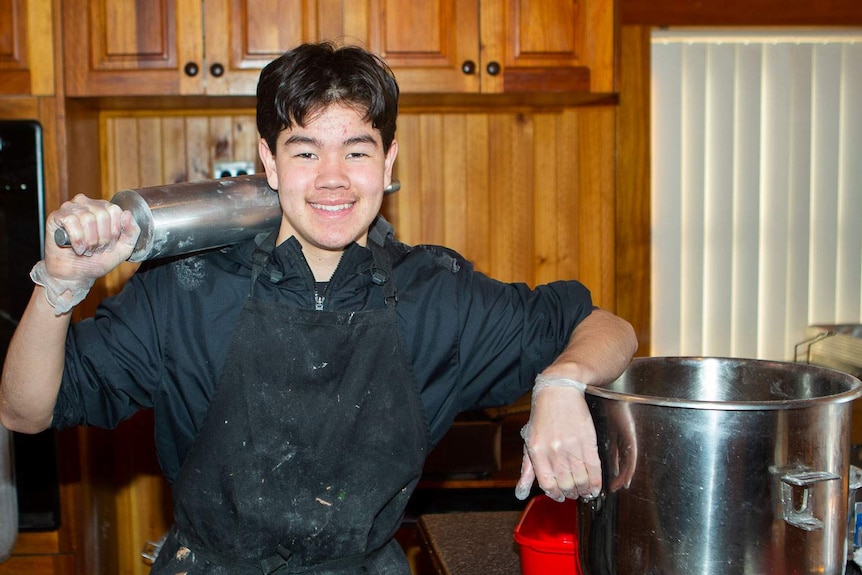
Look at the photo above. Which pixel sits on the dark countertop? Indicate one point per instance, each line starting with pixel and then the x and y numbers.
pixel 472 543
pixel 482 543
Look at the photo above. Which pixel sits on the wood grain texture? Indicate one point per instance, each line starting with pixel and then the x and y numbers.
pixel 558 45
pixel 424 43
pixel 741 12
pixel 596 204
pixel 39 565
pixel 506 191
pixel 633 212
pixel 40 46
pixel 15 75
pixel 32 543
pixel 124 48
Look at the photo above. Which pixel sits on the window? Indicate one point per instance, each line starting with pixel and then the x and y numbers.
pixel 756 189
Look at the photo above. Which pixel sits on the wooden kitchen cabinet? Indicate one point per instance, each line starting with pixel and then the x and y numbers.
pixel 217 47
pixel 184 47
pixel 249 34
pixel 26 48
pixel 129 47
pixel 490 46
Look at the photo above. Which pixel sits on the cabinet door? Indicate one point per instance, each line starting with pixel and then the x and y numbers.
pixel 26 48
pixel 548 46
pixel 133 47
pixel 242 36
pixel 432 46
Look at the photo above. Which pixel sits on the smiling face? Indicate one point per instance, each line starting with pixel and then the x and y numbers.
pixel 330 176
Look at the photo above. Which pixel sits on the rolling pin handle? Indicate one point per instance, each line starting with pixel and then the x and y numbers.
pixel 392 188
pixel 61 238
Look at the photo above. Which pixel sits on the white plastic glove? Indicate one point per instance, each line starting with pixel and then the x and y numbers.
pixel 63 295
pixel 102 236
pixel 560 446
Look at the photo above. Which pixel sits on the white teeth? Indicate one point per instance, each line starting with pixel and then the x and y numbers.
pixel 326 208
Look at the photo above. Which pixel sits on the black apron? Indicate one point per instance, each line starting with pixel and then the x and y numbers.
pixel 312 445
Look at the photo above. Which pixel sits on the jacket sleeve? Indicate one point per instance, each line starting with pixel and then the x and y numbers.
pixel 112 365
pixel 478 342
pixel 510 333
pixel 160 343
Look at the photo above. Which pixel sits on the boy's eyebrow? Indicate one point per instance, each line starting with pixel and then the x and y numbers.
pixel 362 139
pixel 302 139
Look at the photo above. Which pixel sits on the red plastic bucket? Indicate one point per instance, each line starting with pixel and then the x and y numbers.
pixel 548 537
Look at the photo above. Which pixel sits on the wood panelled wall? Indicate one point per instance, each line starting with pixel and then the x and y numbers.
pixel 633 212
pixel 515 192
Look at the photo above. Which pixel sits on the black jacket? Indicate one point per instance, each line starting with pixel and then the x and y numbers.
pixel 161 342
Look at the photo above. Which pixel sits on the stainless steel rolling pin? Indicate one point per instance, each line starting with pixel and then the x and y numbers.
pixel 177 219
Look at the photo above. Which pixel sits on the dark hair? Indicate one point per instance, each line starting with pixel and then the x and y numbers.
pixel 310 77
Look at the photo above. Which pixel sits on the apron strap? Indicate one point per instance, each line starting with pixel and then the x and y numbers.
pixel 260 259
pixel 381 273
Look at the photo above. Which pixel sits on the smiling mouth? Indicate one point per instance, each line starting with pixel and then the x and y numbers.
pixel 335 208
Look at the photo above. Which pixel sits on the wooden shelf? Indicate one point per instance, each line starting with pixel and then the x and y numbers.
pixel 62 564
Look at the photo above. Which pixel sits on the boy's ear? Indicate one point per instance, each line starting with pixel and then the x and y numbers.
pixel 267 158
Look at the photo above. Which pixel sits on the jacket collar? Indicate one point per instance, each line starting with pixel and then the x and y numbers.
pixel 291 266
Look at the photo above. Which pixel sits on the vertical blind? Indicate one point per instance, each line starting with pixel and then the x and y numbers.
pixel 756 189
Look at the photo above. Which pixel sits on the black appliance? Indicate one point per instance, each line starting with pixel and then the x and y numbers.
pixel 22 225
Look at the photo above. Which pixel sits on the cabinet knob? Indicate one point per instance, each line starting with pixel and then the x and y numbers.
pixel 217 70
pixel 191 69
pixel 468 67
pixel 493 68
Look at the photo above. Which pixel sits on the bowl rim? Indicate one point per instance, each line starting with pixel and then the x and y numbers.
pixel 853 391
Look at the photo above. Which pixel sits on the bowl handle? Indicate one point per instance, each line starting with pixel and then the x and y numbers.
pixel 802 515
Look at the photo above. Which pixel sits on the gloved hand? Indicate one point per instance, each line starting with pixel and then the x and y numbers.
pixel 560 447
pixel 102 236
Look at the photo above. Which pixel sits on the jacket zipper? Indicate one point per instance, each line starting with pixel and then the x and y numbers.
pixel 320 298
